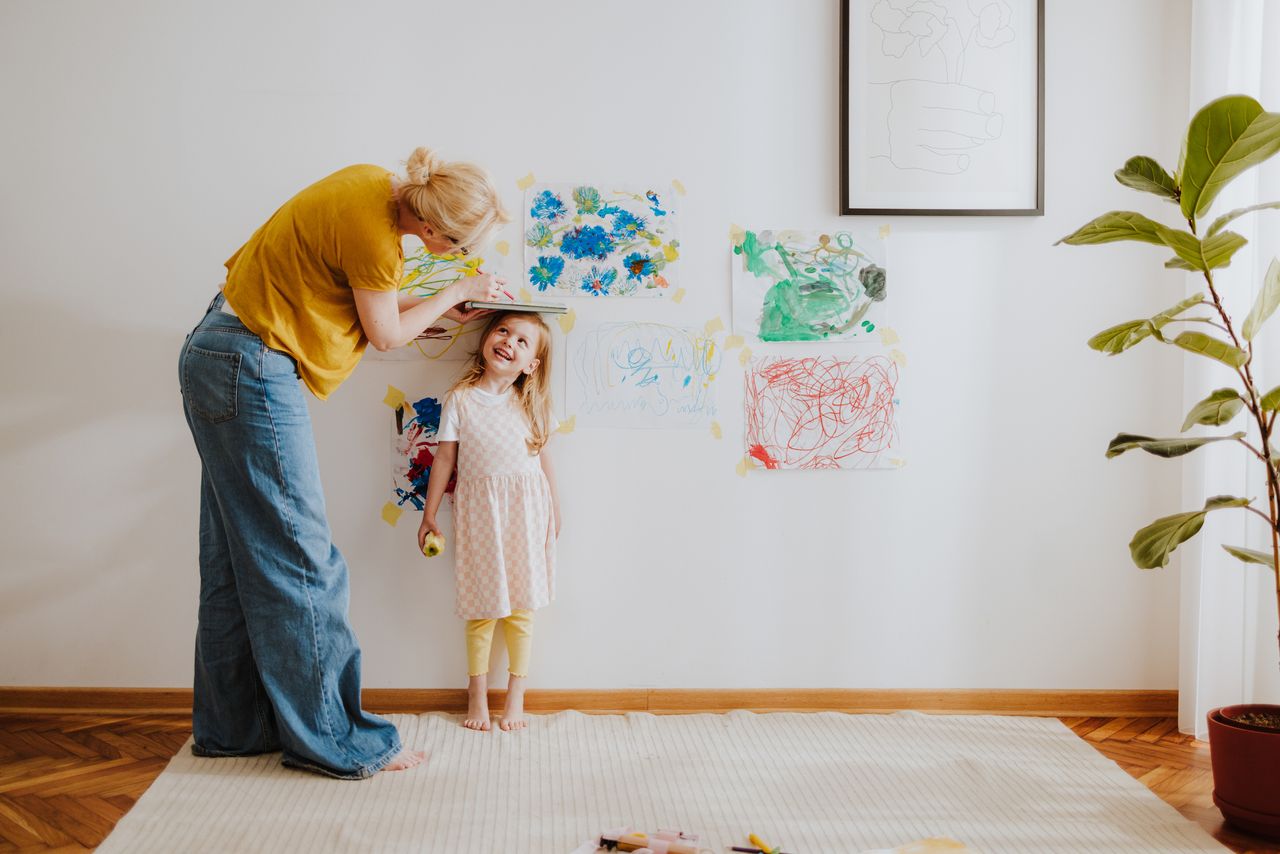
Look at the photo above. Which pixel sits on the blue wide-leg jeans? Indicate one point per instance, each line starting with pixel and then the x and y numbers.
pixel 277 665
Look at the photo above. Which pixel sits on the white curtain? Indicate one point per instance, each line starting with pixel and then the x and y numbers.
pixel 1228 646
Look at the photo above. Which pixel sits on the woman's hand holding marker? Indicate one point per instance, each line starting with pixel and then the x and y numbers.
pixel 482 287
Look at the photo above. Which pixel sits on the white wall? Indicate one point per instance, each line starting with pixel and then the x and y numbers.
pixel 145 141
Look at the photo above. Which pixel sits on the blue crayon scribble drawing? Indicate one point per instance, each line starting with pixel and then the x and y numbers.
pixel 642 375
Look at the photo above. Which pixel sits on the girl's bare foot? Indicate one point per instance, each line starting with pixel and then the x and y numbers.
pixel 477 704
pixel 406 759
pixel 513 712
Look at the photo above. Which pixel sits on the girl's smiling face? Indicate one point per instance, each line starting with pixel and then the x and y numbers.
pixel 511 348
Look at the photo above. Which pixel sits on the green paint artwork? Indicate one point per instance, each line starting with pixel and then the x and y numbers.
pixel 807 286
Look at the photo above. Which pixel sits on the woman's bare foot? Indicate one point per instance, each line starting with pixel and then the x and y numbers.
pixel 477 704
pixel 406 759
pixel 513 712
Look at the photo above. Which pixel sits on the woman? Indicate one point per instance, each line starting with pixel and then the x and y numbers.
pixel 277 666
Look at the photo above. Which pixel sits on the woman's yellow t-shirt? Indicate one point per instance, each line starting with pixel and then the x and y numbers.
pixel 291 283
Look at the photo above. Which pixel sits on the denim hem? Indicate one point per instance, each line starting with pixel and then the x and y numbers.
pixel 197 750
pixel 359 774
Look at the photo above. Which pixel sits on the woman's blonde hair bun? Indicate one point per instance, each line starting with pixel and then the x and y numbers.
pixel 423 163
pixel 458 200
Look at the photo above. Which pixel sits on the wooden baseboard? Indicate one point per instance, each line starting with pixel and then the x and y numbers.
pixel 1045 703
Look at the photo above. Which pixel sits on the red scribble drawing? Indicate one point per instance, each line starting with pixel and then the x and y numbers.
pixel 822 412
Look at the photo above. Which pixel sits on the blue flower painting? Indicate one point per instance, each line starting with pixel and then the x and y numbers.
pixel 547 206
pixel 544 274
pixel 626 224
pixel 587 199
pixel 638 266
pixel 602 240
pixel 597 281
pixel 587 241
pixel 538 236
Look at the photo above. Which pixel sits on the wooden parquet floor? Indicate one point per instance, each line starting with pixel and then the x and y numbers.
pixel 65 780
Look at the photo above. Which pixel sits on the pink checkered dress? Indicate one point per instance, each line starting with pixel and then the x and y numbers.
pixel 504 529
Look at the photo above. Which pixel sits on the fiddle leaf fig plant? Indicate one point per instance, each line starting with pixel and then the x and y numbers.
pixel 1224 139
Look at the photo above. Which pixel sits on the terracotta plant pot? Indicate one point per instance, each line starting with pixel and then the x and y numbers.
pixel 1246 771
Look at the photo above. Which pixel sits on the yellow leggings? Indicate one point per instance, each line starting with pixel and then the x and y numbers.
pixel 518 629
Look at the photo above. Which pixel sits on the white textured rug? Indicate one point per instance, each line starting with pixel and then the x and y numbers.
pixel 809 782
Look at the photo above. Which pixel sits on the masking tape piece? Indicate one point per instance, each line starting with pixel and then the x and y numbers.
pixel 395 397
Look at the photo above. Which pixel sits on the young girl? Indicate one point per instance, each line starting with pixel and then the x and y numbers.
pixel 494 427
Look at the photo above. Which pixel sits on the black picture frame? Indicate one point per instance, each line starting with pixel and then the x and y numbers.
pixel 856 165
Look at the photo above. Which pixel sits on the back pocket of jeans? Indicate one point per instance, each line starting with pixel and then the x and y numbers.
pixel 209 381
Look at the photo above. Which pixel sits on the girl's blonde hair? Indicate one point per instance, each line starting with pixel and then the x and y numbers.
pixel 533 391
pixel 458 200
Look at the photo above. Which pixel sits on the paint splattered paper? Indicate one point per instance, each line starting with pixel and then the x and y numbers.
pixel 642 375
pixel 808 286
pixel 600 240
pixel 413 449
pixel 823 412
pixel 426 275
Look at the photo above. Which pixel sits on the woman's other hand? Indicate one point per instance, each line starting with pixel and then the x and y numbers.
pixel 460 316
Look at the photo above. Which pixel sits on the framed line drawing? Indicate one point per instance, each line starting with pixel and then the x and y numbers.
pixel 942 107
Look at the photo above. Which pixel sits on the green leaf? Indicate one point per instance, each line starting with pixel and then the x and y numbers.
pixel 1270 401
pixel 1206 345
pixel 1143 173
pixel 1226 137
pixel 1116 225
pixel 1167 448
pixel 1221 222
pixel 1215 410
pixel 1127 225
pixel 1121 337
pixel 1152 545
pixel 1170 314
pixel 1250 555
pixel 1209 254
pixel 1218 249
pixel 1184 243
pixel 1176 263
pixel 1266 303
